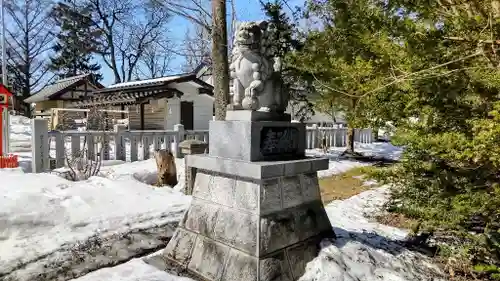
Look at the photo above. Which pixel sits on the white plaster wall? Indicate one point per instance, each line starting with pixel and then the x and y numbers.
pixel 202 107
pixel 79 94
pixel 173 113
pixel 203 111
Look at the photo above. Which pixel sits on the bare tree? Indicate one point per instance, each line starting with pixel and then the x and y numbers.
pixel 196 11
pixel 197 47
pixel 197 43
pixel 129 28
pixel 28 39
pixel 86 161
pixel 156 59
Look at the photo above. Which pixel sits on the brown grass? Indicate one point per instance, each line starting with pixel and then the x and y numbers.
pixel 397 220
pixel 344 185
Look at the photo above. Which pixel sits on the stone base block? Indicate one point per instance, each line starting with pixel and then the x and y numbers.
pixel 257 140
pixel 212 261
pixel 257 170
pixel 250 229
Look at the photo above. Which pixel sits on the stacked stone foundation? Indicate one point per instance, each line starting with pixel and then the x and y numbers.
pixel 251 220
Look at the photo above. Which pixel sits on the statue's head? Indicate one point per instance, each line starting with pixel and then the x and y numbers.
pixel 249 35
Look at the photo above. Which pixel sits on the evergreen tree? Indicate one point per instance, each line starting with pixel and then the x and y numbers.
pixel 448 178
pixel 431 68
pixel 76 41
pixel 351 58
pixel 284 32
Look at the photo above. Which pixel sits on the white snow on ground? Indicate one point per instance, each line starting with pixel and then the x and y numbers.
pixel 20 140
pixel 365 249
pixel 40 214
pixel 134 270
pixel 339 165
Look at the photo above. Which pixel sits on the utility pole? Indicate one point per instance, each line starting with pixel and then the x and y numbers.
pixel 5 115
pixel 220 63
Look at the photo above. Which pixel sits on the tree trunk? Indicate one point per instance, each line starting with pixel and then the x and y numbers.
pixel 375 133
pixel 220 64
pixel 350 139
pixel 350 129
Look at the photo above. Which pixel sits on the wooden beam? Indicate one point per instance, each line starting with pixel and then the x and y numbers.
pixel 159 95
pixel 142 115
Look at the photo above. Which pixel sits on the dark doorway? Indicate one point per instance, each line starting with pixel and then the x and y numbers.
pixel 187 117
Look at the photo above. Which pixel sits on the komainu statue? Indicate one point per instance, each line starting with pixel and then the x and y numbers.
pixel 257 82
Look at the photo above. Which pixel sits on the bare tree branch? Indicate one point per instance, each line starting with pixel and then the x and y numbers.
pixel 29 38
pixel 129 27
pixel 156 59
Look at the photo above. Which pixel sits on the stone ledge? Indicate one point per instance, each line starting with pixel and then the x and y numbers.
pixel 257 170
pixel 251 115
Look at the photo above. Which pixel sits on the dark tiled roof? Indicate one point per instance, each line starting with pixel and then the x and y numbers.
pixel 160 82
pixel 125 97
pixel 50 90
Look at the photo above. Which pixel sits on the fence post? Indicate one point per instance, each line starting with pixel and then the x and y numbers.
pixel 315 135
pixel 133 147
pixel 39 146
pixel 60 153
pixel 343 137
pixel 119 143
pixel 178 138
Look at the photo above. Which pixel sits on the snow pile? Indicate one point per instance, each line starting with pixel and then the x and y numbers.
pixel 134 270
pixel 376 149
pixel 48 224
pixel 338 165
pixel 43 216
pixel 20 140
pixel 365 249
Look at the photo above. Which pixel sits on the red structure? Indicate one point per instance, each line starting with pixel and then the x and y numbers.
pixel 6 161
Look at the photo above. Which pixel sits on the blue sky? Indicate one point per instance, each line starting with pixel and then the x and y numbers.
pixel 246 10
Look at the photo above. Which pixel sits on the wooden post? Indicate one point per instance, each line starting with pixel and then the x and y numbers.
pixel 39 146
pixel 190 147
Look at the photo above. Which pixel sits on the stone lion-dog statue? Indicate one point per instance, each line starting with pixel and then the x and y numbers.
pixel 167 171
pixel 256 73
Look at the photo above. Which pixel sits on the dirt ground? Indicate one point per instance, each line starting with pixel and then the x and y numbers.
pixel 344 185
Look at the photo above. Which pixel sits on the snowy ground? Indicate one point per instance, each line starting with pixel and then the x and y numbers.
pixel 54 229
pixel 43 217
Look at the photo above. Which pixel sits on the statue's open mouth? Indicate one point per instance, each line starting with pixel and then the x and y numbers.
pixel 248 45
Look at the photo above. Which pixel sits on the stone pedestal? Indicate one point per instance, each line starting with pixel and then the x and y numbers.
pixel 252 220
pixel 257 140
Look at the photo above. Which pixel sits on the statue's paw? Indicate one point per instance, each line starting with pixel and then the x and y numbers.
pixel 250 103
pixel 246 103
